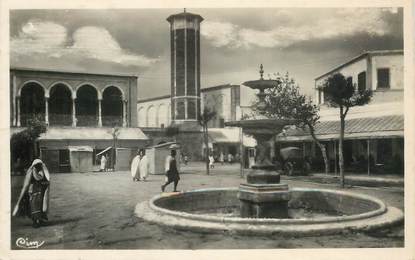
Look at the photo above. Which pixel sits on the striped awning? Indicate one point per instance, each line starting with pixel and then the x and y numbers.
pixel 358 128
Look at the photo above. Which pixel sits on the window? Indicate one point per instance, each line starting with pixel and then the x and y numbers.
pixel 180 110
pixel 383 78
pixel 319 97
pixel 191 109
pixel 64 157
pixel 221 122
pixel 384 150
pixel 361 81
pixel 96 160
pixel 349 81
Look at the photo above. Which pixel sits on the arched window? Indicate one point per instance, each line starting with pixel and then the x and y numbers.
pixel 60 105
pixel 87 106
pixel 32 103
pixel 112 107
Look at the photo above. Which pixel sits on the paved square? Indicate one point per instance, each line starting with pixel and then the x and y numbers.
pixel 96 211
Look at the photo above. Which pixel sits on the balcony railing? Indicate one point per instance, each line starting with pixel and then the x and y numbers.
pixel 112 121
pixel 66 120
pixel 86 120
pixel 60 119
pixel 25 118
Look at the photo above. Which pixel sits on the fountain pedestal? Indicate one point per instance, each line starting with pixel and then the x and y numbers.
pixel 263 196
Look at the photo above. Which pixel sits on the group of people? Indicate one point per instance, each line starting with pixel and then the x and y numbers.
pixel 229 159
pixel 33 200
pixel 140 166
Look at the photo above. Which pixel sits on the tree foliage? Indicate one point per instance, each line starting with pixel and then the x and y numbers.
pixel 203 120
pixel 285 101
pixel 22 143
pixel 207 115
pixel 342 94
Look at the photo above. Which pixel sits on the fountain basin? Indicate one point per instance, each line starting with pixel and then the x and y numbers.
pixel 216 210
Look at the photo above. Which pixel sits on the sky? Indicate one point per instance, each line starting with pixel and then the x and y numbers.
pixel 305 42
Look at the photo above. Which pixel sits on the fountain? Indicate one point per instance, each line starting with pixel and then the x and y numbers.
pixel 263 205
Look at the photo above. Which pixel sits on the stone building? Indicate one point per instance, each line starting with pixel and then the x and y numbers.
pixel 81 111
pixel 374 134
pixel 230 103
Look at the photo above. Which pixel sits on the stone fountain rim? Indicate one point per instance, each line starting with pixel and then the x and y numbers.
pixel 271 221
pixel 390 217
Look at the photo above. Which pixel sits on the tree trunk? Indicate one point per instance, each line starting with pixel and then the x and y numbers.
pixel 205 136
pixel 341 160
pixel 322 148
pixel 324 153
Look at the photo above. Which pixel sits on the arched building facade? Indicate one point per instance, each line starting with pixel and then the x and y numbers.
pixel 81 111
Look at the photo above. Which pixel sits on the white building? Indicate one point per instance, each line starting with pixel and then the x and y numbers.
pixel 374 131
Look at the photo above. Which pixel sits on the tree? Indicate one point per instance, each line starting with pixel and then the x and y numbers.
pixel 341 93
pixel 115 133
pixel 22 144
pixel 203 119
pixel 284 101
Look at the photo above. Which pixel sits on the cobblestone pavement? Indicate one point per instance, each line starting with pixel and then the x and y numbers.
pixel 96 211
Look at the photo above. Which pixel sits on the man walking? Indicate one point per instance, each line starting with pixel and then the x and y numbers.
pixel 171 171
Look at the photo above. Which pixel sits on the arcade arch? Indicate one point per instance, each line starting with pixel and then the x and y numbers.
pixel 32 103
pixel 60 105
pixel 86 106
pixel 112 107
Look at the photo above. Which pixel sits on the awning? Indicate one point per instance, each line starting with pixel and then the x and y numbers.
pixel 80 148
pixel 230 135
pixel 168 145
pixel 359 128
pixel 91 133
pixel 105 150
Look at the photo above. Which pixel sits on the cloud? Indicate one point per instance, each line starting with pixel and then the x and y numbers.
pixel 294 27
pixel 221 33
pixel 52 40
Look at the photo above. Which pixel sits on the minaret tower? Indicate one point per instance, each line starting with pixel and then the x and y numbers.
pixel 185 66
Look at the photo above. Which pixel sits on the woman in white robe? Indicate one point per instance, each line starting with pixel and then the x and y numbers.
pixel 143 165
pixel 102 167
pixel 135 169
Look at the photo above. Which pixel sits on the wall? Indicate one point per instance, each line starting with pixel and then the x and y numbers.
pixel 370 64
pixel 248 96
pixel 225 99
pixel 161 115
pixel 384 101
pixel 395 65
pixel 218 100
